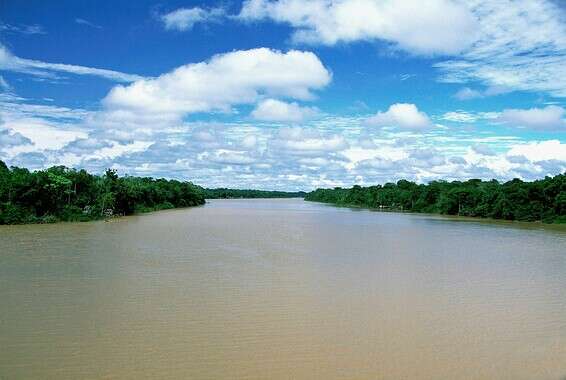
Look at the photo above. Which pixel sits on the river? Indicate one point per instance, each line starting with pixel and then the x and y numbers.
pixel 282 289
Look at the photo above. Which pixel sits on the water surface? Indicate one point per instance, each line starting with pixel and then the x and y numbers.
pixel 280 289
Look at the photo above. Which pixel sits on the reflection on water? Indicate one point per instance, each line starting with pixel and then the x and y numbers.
pixel 282 289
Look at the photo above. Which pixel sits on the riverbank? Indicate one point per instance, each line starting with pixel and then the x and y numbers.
pixel 61 194
pixel 560 227
pixel 537 201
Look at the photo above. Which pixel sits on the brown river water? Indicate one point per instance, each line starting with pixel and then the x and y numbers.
pixel 282 289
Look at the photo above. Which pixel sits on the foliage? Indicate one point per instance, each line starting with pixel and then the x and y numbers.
pixel 63 194
pixel 222 193
pixel 543 200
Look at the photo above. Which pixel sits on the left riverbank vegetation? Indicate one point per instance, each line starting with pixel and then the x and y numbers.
pixel 63 194
pixel 538 201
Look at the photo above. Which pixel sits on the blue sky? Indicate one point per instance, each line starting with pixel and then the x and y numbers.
pixel 286 94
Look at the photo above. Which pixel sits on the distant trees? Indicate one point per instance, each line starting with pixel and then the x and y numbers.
pixel 543 200
pixel 222 193
pixel 60 193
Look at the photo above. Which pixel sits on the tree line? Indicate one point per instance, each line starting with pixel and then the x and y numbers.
pixel 64 194
pixel 542 200
pixel 223 193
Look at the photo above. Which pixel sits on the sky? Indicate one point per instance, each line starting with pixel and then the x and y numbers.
pixel 286 94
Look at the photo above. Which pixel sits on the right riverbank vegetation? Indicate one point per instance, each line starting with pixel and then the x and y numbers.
pixel 538 201
pixel 63 194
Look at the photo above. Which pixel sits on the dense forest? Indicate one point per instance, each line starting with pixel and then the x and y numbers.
pixel 222 193
pixel 63 194
pixel 543 200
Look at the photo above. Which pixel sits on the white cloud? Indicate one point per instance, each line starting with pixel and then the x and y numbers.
pixel 84 146
pixel 82 21
pixel 520 45
pixel 23 29
pixel 4 86
pixel 43 134
pixel 538 151
pixel 425 27
pixel 483 149
pixel 249 142
pixel 10 62
pixel 402 115
pixel 506 45
pixel 548 118
pixel 325 152
pixel 276 110
pixel 304 142
pixel 184 19
pixel 17 110
pixel 459 117
pixel 468 117
pixel 42 127
pixel 231 157
pixel 10 138
pixel 239 77
pixel 334 143
pixel 467 93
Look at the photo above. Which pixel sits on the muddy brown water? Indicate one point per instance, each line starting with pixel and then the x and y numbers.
pixel 282 289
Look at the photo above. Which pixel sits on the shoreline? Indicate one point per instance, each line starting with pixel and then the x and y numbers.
pixel 460 218
pixel 140 213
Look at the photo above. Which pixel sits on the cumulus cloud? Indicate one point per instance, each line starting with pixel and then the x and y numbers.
pixel 276 110
pixel 83 146
pixel 548 118
pixel 483 149
pixel 298 141
pixel 10 62
pixel 183 19
pixel 402 115
pixel 231 157
pixel 9 138
pixel 238 77
pixel 426 27
pixel 30 160
pixel 537 151
pixel 43 133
